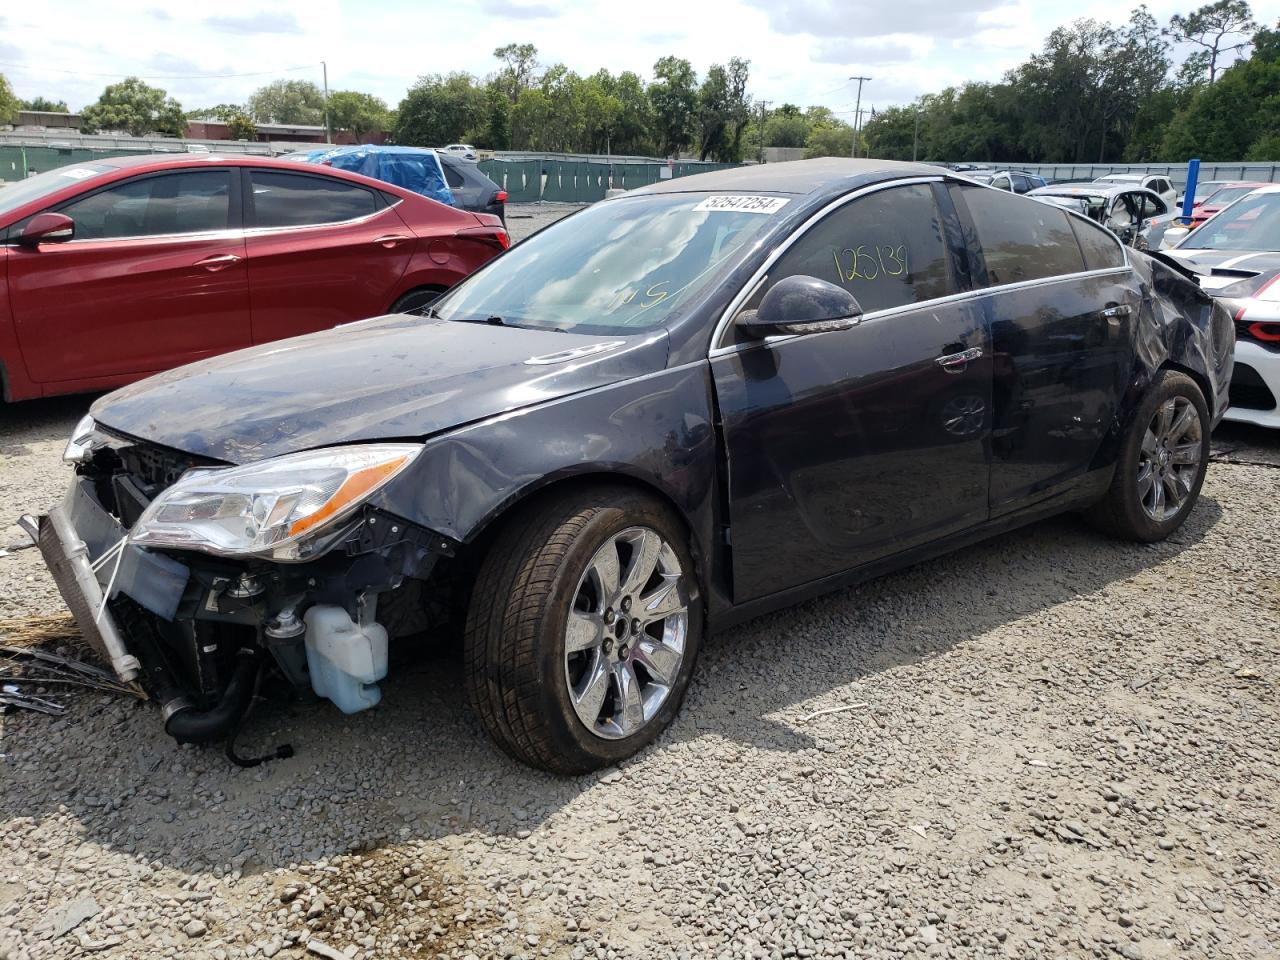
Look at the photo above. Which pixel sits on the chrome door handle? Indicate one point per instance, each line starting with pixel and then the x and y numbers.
pixel 390 240
pixel 956 362
pixel 1117 312
pixel 218 262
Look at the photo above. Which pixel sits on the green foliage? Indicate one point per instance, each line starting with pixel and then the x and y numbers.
pixel 829 138
pixel 9 103
pixel 519 70
pixel 288 101
pixel 136 108
pixel 1218 29
pixel 44 105
pixel 241 126
pixel 358 113
pixel 674 97
pixel 439 110
pixel 1238 116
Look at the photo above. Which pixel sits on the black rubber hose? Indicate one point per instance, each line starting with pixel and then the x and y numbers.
pixel 190 725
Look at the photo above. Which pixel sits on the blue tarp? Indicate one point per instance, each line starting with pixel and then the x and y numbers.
pixel 409 167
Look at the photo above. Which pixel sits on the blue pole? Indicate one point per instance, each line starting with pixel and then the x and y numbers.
pixel 1189 198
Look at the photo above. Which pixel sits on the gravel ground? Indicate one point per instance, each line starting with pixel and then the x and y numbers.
pixel 1050 744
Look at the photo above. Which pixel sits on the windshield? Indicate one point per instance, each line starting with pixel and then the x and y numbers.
pixel 1206 188
pixel 44 184
pixel 621 266
pixel 1251 223
pixel 1224 196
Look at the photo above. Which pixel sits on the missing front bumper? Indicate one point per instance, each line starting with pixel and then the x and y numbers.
pixel 67 557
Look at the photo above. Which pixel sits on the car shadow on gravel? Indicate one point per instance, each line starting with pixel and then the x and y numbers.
pixel 421 766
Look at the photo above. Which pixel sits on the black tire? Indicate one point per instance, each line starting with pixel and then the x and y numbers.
pixel 515 649
pixel 416 300
pixel 1120 512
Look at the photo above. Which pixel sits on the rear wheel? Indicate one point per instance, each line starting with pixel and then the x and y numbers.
pixel 583 630
pixel 1163 458
pixel 415 301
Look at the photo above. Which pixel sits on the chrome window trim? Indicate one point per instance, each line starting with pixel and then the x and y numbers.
pixel 726 317
pixel 203 235
pixel 719 349
pixel 924 304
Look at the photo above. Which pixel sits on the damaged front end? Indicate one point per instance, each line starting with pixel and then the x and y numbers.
pixel 196 578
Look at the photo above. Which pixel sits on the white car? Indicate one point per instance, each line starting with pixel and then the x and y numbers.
pixel 464 150
pixel 1157 183
pixel 1236 255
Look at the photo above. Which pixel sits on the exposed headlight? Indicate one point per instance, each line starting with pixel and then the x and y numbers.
pixel 84 440
pixel 271 508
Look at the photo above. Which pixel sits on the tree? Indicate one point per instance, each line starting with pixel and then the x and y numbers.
pixel 358 113
pixel 288 101
pixel 137 108
pixel 241 127
pixel 1213 28
pixel 674 98
pixel 518 73
pixel 829 138
pixel 44 105
pixel 222 112
pixel 9 103
pixel 441 109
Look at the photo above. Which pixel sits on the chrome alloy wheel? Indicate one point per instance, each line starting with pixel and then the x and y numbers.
pixel 625 638
pixel 1169 461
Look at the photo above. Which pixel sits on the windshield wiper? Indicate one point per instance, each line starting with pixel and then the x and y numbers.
pixel 495 321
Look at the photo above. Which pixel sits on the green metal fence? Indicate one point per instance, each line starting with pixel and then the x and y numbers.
pixel 18 163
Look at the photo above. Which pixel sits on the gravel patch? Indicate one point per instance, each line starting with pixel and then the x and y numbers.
pixel 1050 744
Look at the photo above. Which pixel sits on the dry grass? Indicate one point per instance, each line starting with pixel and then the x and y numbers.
pixel 44 631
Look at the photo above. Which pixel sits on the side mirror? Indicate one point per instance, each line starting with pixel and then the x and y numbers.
pixel 1172 235
pixel 47 228
pixel 801 304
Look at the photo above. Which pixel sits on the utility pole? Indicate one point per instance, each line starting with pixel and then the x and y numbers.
pixel 328 133
pixel 857 110
pixel 764 106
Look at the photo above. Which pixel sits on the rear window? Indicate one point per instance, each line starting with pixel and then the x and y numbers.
pixel 1021 238
pixel 1100 247
pixel 296 200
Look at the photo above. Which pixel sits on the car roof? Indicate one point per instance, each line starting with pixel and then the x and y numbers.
pixel 800 177
pixel 1136 177
pixel 1094 188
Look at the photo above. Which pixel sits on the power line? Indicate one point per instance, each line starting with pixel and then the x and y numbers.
pixel 154 76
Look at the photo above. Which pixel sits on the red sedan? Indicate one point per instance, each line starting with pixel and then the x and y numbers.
pixel 116 269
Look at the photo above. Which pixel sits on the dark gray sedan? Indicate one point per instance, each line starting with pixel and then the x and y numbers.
pixel 670 412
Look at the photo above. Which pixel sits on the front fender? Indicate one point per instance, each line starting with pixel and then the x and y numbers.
pixel 656 429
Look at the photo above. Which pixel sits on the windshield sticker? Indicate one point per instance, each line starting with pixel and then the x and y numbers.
pixel 742 204
pixel 76 173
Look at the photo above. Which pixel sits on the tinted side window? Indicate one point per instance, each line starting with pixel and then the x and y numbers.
pixel 1101 249
pixel 1021 238
pixel 194 202
pixel 295 200
pixel 887 249
pixel 452 176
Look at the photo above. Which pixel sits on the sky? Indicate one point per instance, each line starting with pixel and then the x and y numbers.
pixel 801 51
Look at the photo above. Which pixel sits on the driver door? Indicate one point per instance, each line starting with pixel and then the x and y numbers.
pixel 848 446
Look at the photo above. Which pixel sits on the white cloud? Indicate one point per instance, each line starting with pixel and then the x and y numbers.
pixel 801 51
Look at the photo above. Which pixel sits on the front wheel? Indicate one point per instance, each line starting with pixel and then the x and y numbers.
pixel 1163 458
pixel 583 630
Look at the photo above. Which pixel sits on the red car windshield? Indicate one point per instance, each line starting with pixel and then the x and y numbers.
pixel 45 184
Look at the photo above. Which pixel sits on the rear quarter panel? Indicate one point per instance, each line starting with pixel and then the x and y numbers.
pixel 440 257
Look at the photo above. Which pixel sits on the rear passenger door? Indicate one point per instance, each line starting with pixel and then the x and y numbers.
pixel 321 251
pixel 1060 301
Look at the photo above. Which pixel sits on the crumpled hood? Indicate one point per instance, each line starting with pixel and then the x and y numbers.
pixel 394 377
